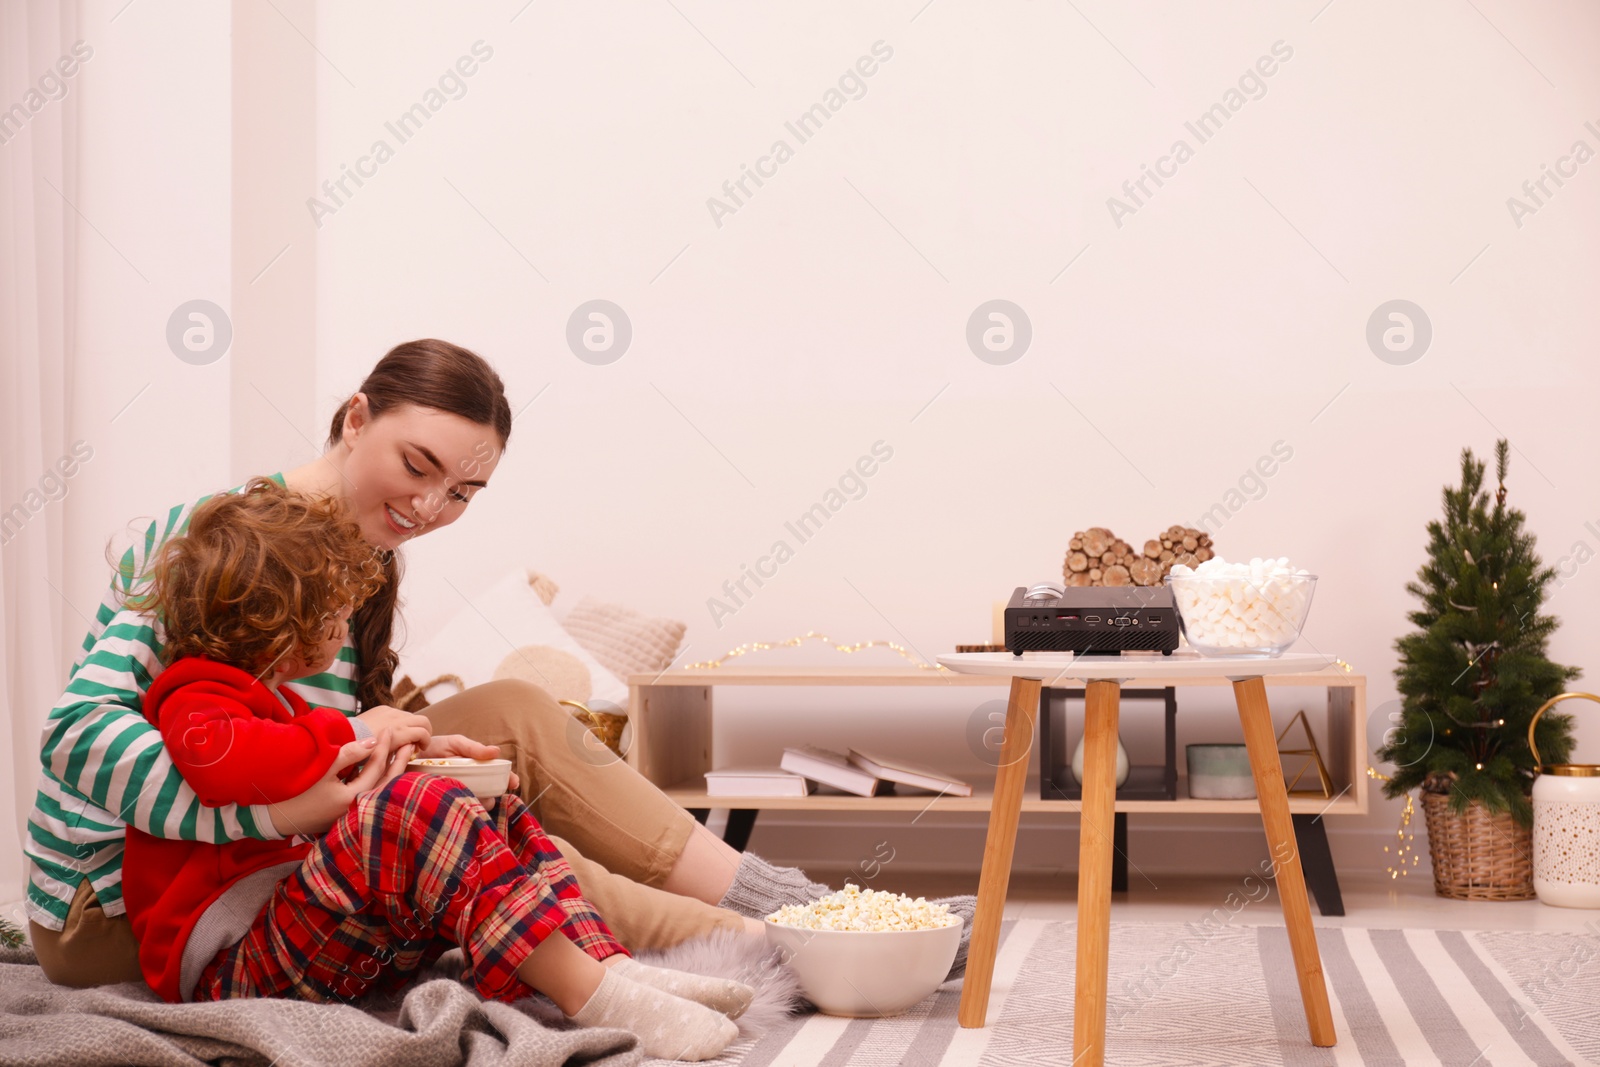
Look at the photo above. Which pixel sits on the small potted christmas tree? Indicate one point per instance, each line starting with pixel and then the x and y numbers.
pixel 1471 676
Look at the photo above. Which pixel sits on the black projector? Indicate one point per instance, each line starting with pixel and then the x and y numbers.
pixel 1092 619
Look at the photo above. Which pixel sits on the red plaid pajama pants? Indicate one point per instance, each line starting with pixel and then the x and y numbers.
pixel 415 868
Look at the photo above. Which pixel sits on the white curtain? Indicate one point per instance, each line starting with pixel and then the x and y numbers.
pixel 38 256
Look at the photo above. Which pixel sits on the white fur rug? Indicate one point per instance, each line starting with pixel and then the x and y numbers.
pixel 727 954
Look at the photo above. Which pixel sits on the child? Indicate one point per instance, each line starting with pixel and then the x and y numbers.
pixel 259 592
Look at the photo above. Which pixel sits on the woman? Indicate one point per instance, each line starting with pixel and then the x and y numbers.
pixel 407 452
pixel 257 592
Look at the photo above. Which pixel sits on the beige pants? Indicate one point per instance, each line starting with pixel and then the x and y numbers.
pixel 621 835
pixel 93 948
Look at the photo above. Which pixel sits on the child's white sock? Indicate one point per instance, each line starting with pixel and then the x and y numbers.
pixel 669 1027
pixel 724 994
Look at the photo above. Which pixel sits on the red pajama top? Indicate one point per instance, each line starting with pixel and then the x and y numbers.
pixel 234 742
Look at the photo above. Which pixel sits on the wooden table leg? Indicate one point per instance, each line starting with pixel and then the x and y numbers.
pixel 1262 742
pixel 1004 811
pixel 1097 827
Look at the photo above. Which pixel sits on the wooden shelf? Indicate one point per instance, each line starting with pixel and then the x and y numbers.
pixel 672 719
pixel 913 676
pixel 691 793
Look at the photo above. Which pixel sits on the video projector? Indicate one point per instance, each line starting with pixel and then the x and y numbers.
pixel 1050 617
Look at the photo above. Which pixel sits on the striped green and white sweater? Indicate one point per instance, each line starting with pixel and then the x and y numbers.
pixel 103 766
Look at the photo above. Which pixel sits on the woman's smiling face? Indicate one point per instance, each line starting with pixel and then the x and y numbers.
pixel 413 469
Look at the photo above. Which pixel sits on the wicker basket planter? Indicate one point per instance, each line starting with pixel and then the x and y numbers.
pixel 1478 855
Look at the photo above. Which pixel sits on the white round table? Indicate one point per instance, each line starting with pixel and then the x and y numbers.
pixel 1102 677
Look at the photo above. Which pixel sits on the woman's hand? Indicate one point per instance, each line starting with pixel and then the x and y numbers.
pixel 445 745
pixel 404 727
pixel 319 807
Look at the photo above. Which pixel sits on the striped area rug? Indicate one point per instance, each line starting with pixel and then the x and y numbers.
pixel 1202 994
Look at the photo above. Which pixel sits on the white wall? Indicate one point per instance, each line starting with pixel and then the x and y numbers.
pixel 1227 314
pixel 154 146
pixel 154 209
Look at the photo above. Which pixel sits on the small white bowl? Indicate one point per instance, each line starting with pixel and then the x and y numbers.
pixel 485 777
pixel 867 974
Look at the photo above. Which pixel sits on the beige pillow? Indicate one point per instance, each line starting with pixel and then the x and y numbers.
pixel 622 639
pixel 561 674
pixel 508 631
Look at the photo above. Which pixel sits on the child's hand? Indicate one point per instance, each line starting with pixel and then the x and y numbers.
pixel 397 763
pixel 319 807
pixel 404 727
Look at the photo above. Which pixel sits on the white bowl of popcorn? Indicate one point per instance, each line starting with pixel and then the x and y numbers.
pixel 1242 609
pixel 485 777
pixel 864 953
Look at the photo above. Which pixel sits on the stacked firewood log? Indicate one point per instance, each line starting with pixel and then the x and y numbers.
pixel 1097 556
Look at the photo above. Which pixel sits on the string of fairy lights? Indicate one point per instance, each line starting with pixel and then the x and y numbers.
pixel 1403 851
pixel 809 635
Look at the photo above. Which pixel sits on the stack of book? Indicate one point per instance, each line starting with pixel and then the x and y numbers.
pixel 806 766
pixel 756 782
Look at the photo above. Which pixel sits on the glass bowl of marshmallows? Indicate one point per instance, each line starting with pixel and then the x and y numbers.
pixel 1241 609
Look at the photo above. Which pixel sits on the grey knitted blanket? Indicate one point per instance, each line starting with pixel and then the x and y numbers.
pixel 439 1021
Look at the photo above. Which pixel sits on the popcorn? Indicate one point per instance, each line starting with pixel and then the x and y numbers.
pixel 1255 605
pixel 871 910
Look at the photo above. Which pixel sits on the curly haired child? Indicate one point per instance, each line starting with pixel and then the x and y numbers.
pixel 259 592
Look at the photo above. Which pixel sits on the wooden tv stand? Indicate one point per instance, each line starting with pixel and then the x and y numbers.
pixel 673 723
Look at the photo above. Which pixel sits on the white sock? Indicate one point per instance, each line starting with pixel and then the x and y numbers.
pixel 669 1027
pixel 724 994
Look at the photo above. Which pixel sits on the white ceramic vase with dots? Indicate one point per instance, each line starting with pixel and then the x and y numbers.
pixel 1566 827
pixel 1566 840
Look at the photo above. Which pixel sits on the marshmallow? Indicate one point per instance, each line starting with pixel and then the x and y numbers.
pixel 1258 605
